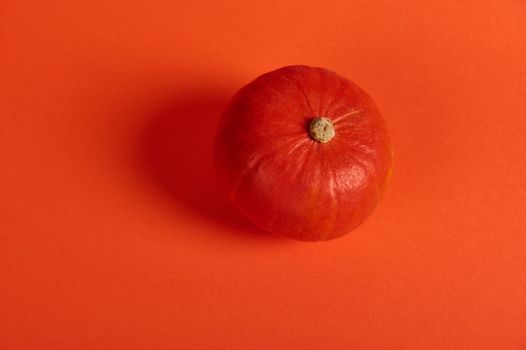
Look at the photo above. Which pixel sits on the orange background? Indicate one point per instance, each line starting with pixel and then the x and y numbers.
pixel 114 235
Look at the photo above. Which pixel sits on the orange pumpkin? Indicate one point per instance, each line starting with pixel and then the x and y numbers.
pixel 303 152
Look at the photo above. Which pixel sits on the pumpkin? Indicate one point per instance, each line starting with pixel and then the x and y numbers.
pixel 303 152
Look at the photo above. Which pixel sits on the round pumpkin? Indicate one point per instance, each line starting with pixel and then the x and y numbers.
pixel 303 152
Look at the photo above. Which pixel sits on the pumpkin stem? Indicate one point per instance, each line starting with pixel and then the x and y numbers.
pixel 321 129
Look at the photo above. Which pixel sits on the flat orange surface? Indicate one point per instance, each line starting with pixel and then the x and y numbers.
pixel 114 234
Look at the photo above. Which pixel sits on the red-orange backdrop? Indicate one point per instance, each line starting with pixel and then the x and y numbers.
pixel 114 235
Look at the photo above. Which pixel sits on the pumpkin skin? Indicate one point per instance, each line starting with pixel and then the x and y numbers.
pixel 283 179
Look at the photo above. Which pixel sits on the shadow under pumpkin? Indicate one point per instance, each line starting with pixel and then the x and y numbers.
pixel 176 153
